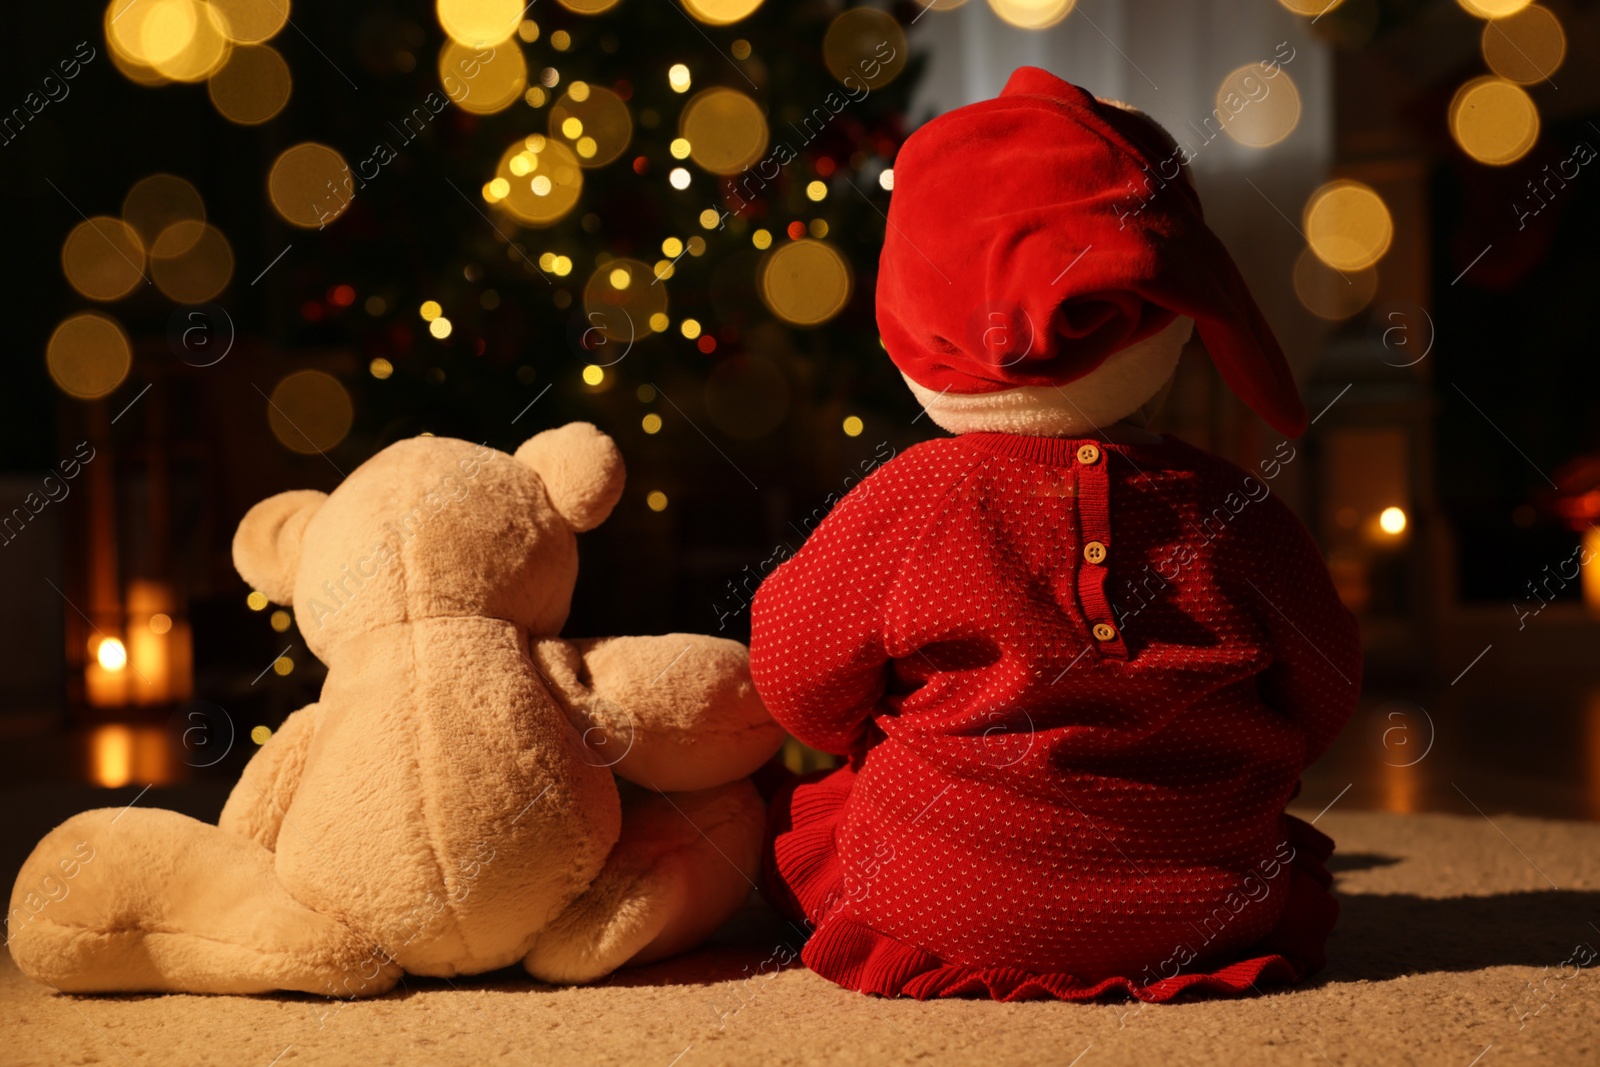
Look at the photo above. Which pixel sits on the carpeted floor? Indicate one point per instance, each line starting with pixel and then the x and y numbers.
pixel 1450 951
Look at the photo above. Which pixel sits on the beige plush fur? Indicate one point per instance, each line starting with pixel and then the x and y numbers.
pixel 451 804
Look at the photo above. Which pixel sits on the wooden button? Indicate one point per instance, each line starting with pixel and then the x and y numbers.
pixel 1094 552
pixel 1104 631
pixel 1088 455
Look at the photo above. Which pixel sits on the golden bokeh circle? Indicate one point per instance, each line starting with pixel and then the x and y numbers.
pixel 604 125
pixel 251 21
pixel 623 298
pixel 191 262
pixel 721 12
pixel 183 40
pixel 866 46
pixel 103 258
pixel 543 178
pixel 805 282
pixel 1329 294
pixel 1032 14
pixel 124 28
pixel 136 72
pixel 1258 111
pixel 475 23
pixel 1526 47
pixel 159 200
pixel 88 355
pixel 309 185
pixel 482 86
pixel 588 7
pixel 1493 9
pixel 1494 121
pixel 725 129
pixel 310 412
pixel 1348 225
pixel 252 87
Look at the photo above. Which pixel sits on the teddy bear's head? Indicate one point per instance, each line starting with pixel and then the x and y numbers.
pixel 432 527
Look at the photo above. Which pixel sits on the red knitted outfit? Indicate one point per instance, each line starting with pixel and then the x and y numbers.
pixel 1029 810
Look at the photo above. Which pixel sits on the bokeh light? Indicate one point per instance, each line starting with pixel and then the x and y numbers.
pixel 183 40
pixel 656 500
pixel 111 654
pixel 480 22
pixel 481 85
pixel 1258 111
pixel 543 178
pixel 310 412
pixel 1310 8
pixel 1526 47
pixel 805 282
pixel 309 185
pixel 651 423
pixel 1494 120
pixel 89 355
pixel 865 45
pixel 588 7
pixel 1327 293
pixel 725 129
pixel 603 125
pixel 720 12
pixel 1392 521
pixel 156 202
pixel 251 21
pixel 1493 9
pixel 191 262
pixel 1032 14
pixel 252 87
pixel 1348 225
pixel 678 78
pixel 103 258
pixel 623 299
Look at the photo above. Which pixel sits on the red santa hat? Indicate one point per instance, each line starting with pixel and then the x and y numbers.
pixel 1033 235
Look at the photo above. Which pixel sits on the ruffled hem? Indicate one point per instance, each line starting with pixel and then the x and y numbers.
pixel 803 876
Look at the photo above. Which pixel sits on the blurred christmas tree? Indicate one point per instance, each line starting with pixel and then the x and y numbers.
pixel 661 216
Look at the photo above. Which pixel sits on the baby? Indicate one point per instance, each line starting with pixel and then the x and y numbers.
pixel 1075 668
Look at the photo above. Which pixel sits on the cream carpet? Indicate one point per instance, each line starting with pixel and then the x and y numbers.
pixel 1450 951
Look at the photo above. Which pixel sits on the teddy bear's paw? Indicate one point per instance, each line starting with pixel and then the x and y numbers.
pixel 684 864
pixel 143 900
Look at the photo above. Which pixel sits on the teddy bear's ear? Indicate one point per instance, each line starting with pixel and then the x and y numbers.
pixel 581 469
pixel 266 548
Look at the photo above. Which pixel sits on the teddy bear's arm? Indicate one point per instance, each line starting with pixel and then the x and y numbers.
pixel 674 712
pixel 256 806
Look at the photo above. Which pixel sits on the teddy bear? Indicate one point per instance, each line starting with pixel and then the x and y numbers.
pixel 470 791
pixel 1074 667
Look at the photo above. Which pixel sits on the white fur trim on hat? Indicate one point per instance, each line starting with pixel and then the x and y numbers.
pixel 1118 388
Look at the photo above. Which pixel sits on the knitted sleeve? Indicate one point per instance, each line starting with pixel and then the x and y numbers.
pixel 1315 679
pixel 817 651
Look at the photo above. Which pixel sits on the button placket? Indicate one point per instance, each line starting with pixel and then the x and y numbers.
pixel 1094 527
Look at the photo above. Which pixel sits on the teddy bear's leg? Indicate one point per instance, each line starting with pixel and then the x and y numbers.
pixel 143 900
pixel 684 864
